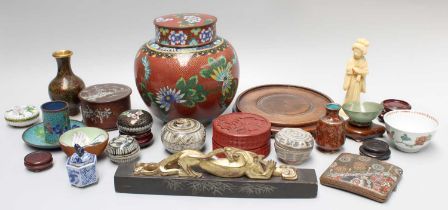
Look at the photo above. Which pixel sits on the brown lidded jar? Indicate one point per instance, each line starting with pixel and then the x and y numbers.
pixel 330 133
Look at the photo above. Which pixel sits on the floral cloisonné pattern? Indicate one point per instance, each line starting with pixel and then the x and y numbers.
pixel 351 171
pixel 206 35
pixel 145 63
pixel 220 70
pixel 177 38
pixel 167 96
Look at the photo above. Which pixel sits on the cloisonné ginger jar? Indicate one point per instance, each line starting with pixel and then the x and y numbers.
pixel 187 70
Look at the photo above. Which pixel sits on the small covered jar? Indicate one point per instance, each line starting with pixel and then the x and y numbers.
pixel 123 149
pixel 22 116
pixel 136 123
pixel 81 168
pixel 183 133
pixel 293 145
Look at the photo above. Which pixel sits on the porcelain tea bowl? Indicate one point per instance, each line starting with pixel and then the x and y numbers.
pixel 93 140
pixel 362 114
pixel 410 131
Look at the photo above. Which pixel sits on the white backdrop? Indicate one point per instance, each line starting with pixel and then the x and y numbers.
pixel 304 43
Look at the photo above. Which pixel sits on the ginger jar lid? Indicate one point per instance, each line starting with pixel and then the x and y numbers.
pixel 294 138
pixel 185 29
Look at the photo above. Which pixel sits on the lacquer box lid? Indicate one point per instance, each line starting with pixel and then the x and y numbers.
pixel 362 175
pixel 38 161
pixel 185 29
pixel 294 139
pixel 242 130
pixel 134 121
pixel 105 93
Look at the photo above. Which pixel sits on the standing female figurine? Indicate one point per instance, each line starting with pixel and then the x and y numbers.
pixel 356 71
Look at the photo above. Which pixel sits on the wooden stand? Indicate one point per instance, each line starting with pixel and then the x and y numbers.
pixel 362 133
pixel 212 186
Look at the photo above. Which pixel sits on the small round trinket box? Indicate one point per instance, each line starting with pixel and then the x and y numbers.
pixel 293 145
pixel 22 116
pixel 136 123
pixel 101 104
pixel 246 131
pixel 375 149
pixel 183 133
pixel 38 161
pixel 123 149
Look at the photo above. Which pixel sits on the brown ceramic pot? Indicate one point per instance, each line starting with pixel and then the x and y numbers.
pixel 66 85
pixel 330 133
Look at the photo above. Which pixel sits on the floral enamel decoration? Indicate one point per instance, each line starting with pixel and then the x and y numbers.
pixel 167 96
pixel 162 19
pixel 135 116
pixel 192 19
pixel 206 35
pixel 145 63
pixel 178 38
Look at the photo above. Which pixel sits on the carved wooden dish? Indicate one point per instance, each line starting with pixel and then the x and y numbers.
pixel 284 105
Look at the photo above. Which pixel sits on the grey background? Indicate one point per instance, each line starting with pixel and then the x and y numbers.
pixel 303 43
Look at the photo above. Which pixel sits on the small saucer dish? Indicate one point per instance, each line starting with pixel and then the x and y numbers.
pixel 410 131
pixel 35 136
pixel 22 116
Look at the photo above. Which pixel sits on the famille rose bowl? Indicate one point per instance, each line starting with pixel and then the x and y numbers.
pixel 410 131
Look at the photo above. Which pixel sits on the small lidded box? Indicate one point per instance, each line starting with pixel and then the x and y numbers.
pixel 293 145
pixel 136 123
pixel 123 149
pixel 101 104
pixel 81 168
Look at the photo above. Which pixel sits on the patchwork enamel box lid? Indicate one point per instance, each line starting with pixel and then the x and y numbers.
pixel 134 121
pixel 122 149
pixel 294 139
pixel 242 130
pixel 22 116
pixel 185 30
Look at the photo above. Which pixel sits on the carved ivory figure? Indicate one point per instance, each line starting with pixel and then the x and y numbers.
pixel 356 71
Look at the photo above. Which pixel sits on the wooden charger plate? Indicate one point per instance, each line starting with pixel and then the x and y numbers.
pixel 284 105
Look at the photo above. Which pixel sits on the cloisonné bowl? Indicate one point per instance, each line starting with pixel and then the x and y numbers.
pixel 362 114
pixel 410 131
pixel 93 140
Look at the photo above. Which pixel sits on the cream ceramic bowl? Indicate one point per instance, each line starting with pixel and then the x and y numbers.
pixel 410 131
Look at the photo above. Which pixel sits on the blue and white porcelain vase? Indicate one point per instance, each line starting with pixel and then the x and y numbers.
pixel 81 168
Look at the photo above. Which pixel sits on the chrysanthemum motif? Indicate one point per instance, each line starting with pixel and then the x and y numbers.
pixel 192 19
pixel 206 35
pixel 167 96
pixel 224 75
pixel 177 38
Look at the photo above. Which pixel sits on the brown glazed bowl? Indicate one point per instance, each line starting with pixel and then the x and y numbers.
pixel 93 140
pixel 102 104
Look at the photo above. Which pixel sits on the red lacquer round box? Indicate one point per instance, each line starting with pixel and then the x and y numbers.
pixel 187 70
pixel 242 130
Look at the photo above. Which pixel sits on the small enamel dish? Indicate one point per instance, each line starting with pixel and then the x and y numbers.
pixel 410 131
pixel 22 116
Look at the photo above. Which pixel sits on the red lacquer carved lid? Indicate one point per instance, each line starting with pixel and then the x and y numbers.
pixel 185 29
pixel 242 130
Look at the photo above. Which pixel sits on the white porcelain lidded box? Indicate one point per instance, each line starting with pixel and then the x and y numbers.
pixel 123 149
pixel 22 116
pixel 293 145
pixel 81 168
pixel 183 133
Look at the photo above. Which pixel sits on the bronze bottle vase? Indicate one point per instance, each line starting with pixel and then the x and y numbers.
pixel 330 132
pixel 66 85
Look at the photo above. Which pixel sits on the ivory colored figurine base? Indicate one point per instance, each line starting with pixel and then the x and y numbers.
pixel 362 133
